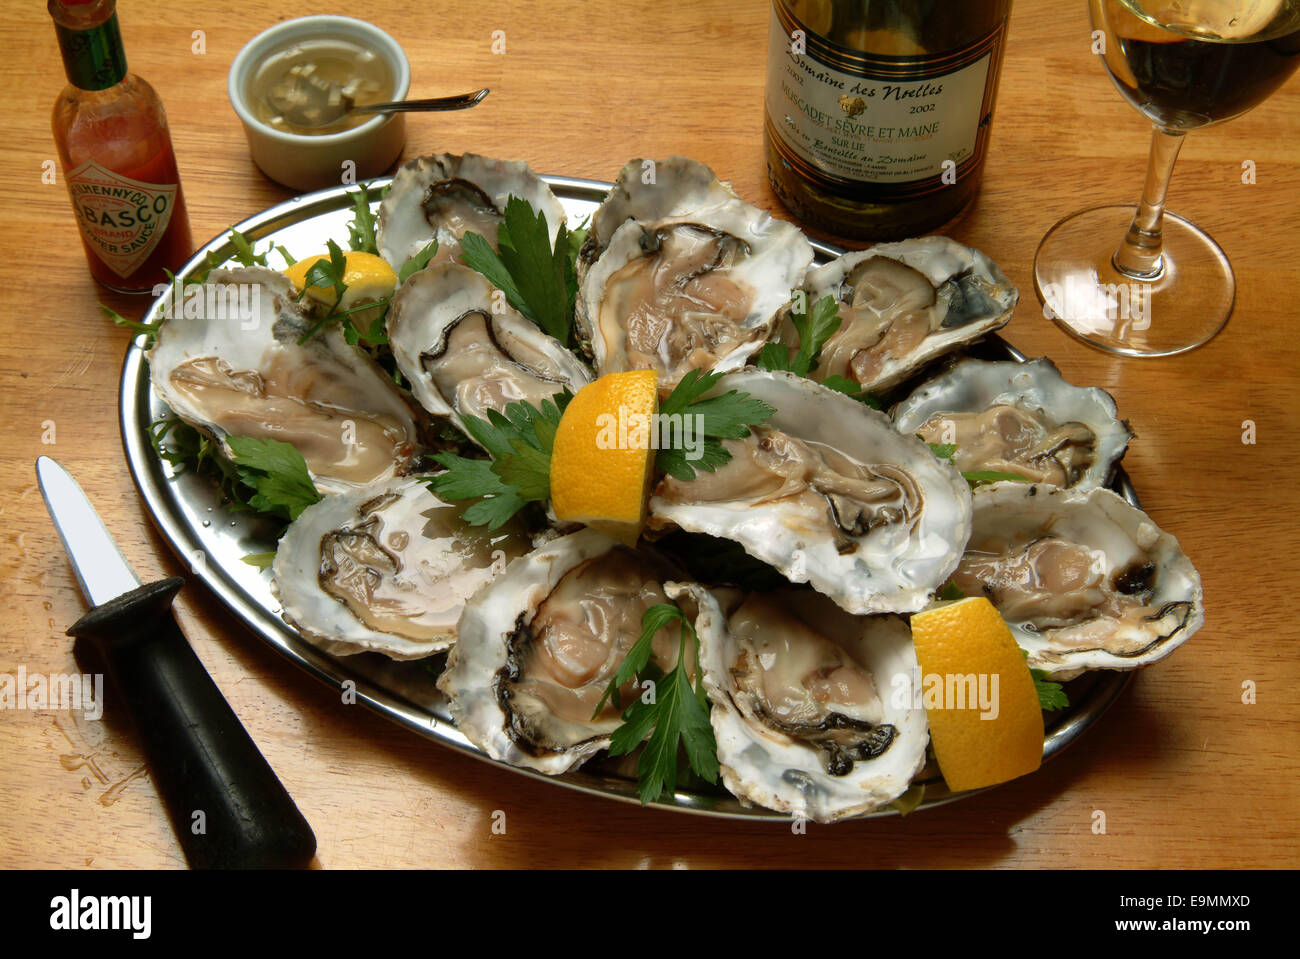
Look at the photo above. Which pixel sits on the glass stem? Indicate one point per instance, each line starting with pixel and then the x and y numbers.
pixel 1139 255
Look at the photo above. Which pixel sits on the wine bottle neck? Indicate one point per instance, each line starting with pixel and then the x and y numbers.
pixel 94 59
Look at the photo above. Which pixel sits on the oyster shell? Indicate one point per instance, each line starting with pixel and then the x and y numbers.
pixel 444 196
pixel 1024 418
pixel 238 369
pixel 386 568
pixel 538 647
pixel 691 278
pixel 903 304
pixel 805 710
pixel 678 187
pixel 829 493
pixel 1084 580
pixel 465 351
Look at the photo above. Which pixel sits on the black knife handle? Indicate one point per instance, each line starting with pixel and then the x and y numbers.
pixel 199 754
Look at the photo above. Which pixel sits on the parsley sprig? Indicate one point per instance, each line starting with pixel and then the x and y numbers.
pixel 728 416
pixel 1051 696
pixel 538 279
pixel 519 471
pixel 278 474
pixel 814 330
pixel 677 712
pixel 361 228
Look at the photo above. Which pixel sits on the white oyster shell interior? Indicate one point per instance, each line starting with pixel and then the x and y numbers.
pixel 1024 418
pixel 830 494
pixel 444 196
pixel 387 568
pixel 465 351
pixel 904 304
pixel 538 648
pixel 1084 580
pixel 806 710
pixel 236 368
pixel 691 278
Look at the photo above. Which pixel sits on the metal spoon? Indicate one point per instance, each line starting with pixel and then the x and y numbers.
pixel 312 106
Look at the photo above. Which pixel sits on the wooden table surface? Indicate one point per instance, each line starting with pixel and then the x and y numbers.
pixel 1184 771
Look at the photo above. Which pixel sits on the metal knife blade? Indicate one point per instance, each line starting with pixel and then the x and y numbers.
pixel 102 571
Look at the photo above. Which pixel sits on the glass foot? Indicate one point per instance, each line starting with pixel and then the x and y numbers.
pixel 1179 309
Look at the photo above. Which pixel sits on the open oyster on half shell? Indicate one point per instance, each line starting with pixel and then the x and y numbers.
pixel 465 351
pixel 445 196
pixel 539 646
pixel 903 304
pixel 386 568
pixel 828 493
pixel 688 276
pixel 239 368
pixel 1084 580
pixel 1024 418
pixel 805 707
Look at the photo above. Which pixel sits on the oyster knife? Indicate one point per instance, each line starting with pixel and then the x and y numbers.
pixel 226 805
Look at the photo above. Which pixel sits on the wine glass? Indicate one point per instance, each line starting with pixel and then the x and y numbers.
pixel 1183 64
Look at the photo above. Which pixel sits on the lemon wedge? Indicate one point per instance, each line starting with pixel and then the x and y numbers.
pixel 602 458
pixel 369 279
pixel 977 747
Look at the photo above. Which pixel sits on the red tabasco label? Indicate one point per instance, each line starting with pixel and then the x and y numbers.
pixel 122 219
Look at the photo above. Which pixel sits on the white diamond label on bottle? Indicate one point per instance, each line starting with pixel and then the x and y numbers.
pixel 121 219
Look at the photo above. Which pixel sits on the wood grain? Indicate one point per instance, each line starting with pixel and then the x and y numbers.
pixel 1185 772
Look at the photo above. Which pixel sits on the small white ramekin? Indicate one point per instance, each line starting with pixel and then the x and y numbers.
pixel 306 162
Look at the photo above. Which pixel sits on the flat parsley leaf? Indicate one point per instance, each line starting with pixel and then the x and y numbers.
pixel 991 476
pixel 678 712
pixel 417 262
pixel 519 443
pixel 277 472
pixel 361 228
pixel 842 384
pixel 951 591
pixel 538 278
pixel 814 330
pixel 727 416
pixel 244 253
pixel 1051 696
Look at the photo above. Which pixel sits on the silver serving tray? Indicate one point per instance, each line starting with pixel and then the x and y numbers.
pixel 211 540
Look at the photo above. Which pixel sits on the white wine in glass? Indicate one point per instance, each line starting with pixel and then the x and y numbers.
pixel 1183 64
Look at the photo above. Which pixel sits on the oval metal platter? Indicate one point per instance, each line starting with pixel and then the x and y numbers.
pixel 211 540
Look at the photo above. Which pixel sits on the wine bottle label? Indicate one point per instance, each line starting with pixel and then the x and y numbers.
pixel 121 219
pixel 862 125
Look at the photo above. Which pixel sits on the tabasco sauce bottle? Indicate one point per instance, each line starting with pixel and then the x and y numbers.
pixel 111 133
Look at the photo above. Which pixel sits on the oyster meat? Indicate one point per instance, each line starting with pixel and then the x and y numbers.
pixel 691 278
pixel 1084 580
pixel 465 351
pixel 805 707
pixel 829 493
pixel 903 304
pixel 237 368
pixel 386 568
pixel 1023 418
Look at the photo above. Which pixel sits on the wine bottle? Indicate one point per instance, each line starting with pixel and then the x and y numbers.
pixel 118 163
pixel 879 111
